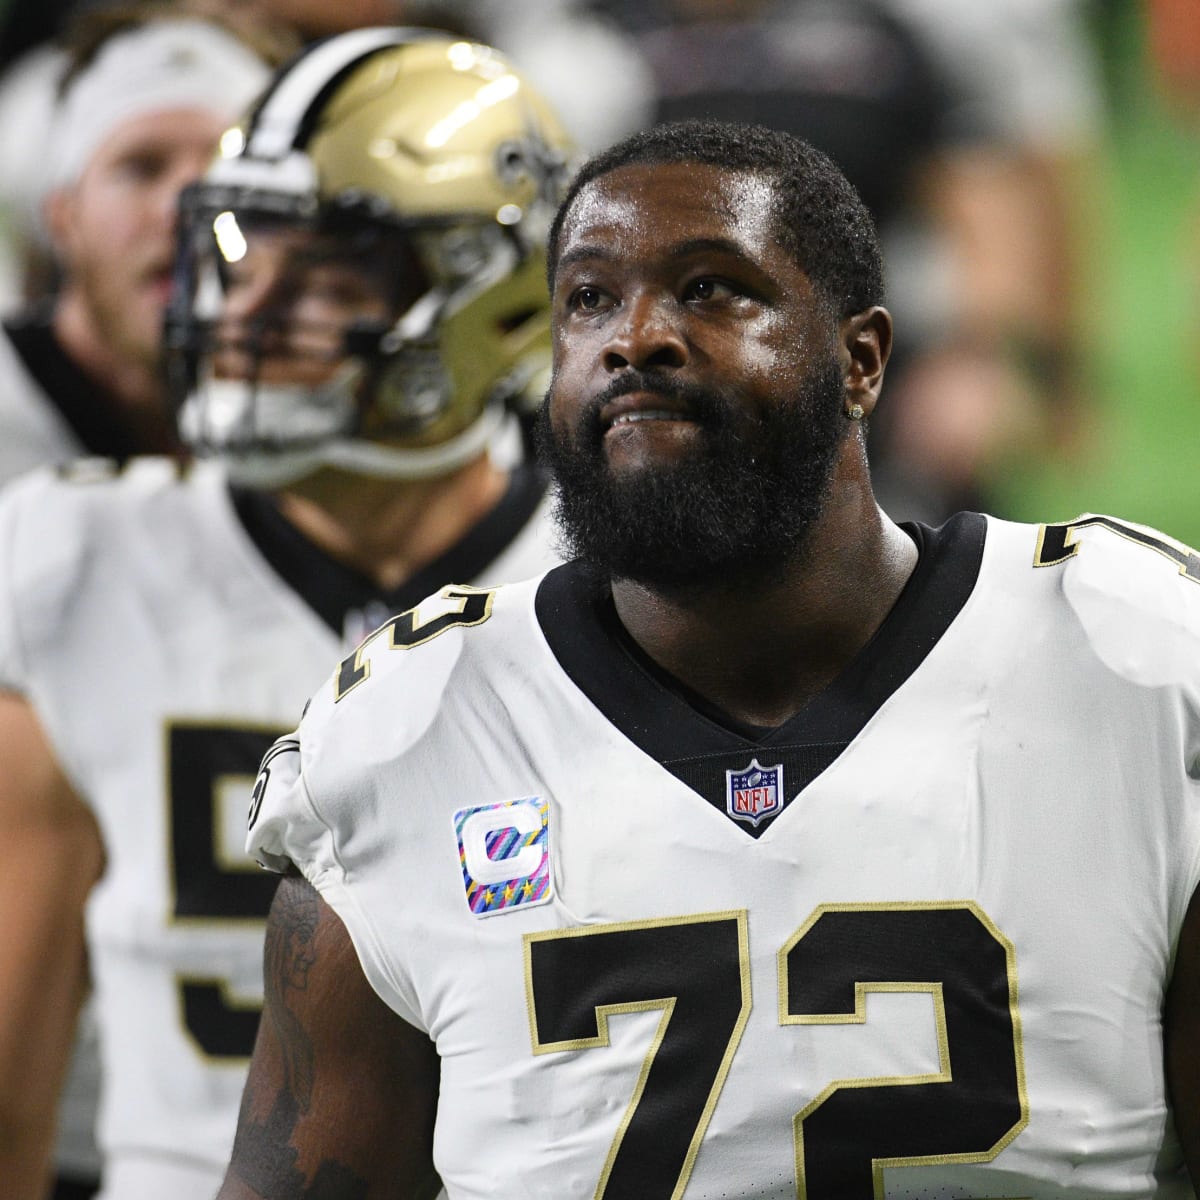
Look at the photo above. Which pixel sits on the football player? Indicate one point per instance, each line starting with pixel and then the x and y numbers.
pixel 769 849
pixel 360 307
pixel 147 91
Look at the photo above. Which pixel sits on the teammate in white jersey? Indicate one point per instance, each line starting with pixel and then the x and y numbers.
pixel 361 302
pixel 147 90
pixel 768 849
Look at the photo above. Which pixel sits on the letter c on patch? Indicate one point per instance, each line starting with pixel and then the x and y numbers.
pixel 524 817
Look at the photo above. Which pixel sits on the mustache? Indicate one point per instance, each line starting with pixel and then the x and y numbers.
pixel 706 406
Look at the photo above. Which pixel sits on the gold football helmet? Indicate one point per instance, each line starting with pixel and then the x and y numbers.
pixel 360 278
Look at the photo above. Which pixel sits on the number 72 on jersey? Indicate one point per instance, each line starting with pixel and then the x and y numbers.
pixel 695 970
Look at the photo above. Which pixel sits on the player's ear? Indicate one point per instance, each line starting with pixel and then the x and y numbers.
pixel 865 340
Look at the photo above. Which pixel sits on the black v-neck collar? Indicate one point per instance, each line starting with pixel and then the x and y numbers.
pixel 576 615
pixel 349 603
pixel 91 412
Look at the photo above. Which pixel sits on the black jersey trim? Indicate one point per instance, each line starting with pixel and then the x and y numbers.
pixel 90 411
pixel 333 590
pixel 693 741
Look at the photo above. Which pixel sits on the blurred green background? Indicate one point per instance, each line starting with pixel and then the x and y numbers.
pixel 1139 456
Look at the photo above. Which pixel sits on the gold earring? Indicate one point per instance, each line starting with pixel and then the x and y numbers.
pixel 854 412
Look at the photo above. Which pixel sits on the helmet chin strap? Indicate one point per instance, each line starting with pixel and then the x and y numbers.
pixel 218 419
pixel 222 415
pixel 264 469
pixel 399 462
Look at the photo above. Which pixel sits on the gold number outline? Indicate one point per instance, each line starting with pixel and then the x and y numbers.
pixel 404 633
pixel 944 1074
pixel 217 732
pixel 667 1006
pixel 1058 542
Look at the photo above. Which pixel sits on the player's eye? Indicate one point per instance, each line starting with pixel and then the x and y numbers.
pixel 707 289
pixel 142 167
pixel 586 298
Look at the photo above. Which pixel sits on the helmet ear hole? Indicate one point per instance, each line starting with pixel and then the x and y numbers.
pixel 411 391
pixel 511 322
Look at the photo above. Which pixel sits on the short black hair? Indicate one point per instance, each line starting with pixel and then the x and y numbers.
pixel 820 218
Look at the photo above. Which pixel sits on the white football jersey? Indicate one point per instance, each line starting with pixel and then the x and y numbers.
pixel 150 620
pixel 911 944
pixel 34 433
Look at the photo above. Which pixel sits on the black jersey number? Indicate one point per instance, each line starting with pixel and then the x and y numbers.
pixel 407 630
pixel 209 889
pixel 1057 543
pixel 695 970
pixel 967 1111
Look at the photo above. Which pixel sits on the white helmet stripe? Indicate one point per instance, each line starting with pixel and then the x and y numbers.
pixel 284 109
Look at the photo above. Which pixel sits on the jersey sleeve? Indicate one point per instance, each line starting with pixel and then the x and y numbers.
pixel 1135 594
pixel 278 795
pixel 14 668
pixel 286 830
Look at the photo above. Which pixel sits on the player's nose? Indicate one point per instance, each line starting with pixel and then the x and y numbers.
pixel 647 332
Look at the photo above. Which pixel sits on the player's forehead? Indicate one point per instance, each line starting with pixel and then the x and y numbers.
pixel 188 130
pixel 652 211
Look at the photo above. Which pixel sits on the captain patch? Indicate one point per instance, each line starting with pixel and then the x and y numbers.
pixel 754 793
pixel 504 853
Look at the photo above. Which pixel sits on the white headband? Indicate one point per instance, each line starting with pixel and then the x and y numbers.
pixel 157 67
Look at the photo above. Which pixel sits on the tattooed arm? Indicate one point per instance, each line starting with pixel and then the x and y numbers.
pixel 342 1092
pixel 1181 1038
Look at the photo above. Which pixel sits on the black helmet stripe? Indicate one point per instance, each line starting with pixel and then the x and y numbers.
pixel 285 116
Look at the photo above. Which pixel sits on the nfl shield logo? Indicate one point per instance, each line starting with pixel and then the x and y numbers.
pixel 754 793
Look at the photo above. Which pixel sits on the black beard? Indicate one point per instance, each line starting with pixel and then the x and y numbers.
pixel 739 508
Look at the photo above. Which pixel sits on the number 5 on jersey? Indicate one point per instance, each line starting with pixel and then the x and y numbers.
pixel 211 890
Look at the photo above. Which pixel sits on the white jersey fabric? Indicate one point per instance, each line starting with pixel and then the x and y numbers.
pixel 163 654
pixel 34 433
pixel 912 944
